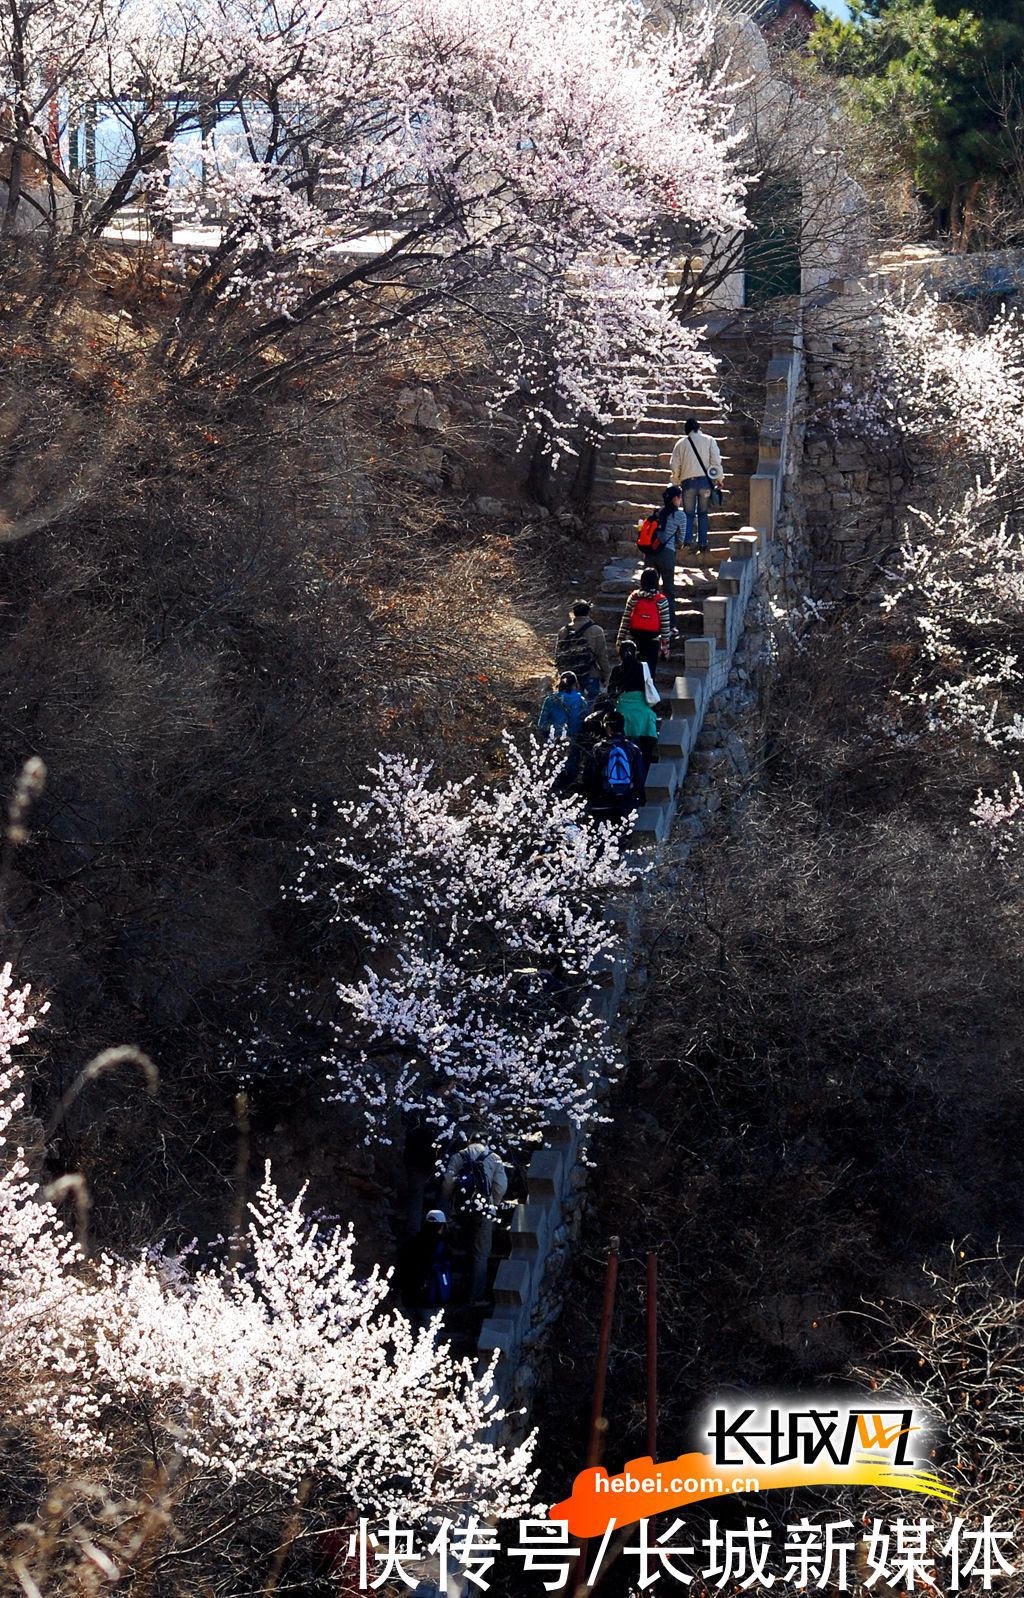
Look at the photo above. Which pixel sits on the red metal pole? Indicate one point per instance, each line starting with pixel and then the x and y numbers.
pixel 604 1344
pixel 598 1424
pixel 652 1355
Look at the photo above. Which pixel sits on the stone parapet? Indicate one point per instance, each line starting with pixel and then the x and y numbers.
pixel 680 789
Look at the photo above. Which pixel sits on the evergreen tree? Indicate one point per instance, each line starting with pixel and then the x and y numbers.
pixel 944 82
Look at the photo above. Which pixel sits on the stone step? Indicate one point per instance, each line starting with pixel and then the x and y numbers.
pixel 690 582
pixel 665 407
pixel 648 496
pixel 719 535
pixel 633 511
pixel 687 564
pixel 662 427
pixel 687 603
pixel 652 470
pixel 632 506
pixel 718 423
pixel 645 437
pixel 605 487
pixel 642 506
pixel 734 455
pixel 704 410
pixel 653 477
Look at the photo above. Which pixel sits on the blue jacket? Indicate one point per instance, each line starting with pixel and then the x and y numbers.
pixel 562 713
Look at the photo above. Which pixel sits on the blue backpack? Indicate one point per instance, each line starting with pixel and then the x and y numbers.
pixel 618 773
pixel 471 1184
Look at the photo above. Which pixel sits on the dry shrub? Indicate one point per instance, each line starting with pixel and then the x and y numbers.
pixel 219 613
pixel 821 1092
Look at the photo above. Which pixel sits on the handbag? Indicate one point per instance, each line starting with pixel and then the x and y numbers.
pixel 651 693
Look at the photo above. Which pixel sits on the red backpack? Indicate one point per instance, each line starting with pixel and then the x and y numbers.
pixel 645 617
pixel 648 536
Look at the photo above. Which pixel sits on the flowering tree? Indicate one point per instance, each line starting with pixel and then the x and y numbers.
pixel 952 386
pixel 950 398
pixel 423 167
pixel 482 902
pixel 278 1366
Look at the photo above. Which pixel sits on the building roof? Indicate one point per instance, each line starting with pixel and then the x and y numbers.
pixel 765 12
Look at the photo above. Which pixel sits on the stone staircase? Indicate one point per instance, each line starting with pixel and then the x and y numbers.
pixel 633 467
pixel 527 1287
pixel 631 473
pixel 696 575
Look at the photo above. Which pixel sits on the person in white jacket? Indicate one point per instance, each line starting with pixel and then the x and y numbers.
pixel 696 467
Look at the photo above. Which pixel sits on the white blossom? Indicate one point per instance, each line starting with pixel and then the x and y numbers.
pixel 277 1363
pixel 477 892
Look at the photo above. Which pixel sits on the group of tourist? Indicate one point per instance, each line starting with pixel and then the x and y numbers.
pixel 446 1253
pixel 607 715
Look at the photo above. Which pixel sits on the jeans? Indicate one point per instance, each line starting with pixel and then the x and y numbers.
pixel 696 497
pixel 664 563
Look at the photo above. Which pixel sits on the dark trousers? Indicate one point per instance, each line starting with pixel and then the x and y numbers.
pixel 646 746
pixel 664 563
pixel 648 647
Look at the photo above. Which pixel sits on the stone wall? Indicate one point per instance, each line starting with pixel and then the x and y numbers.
pixel 852 477
pixel 707 744
pixel 696 751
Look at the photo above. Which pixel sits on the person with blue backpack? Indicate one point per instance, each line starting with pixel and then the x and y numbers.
pixel 475 1182
pixel 614 781
pixel 563 709
pixel 425 1271
pixel 561 716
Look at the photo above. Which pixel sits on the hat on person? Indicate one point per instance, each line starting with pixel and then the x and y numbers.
pixel 439 1216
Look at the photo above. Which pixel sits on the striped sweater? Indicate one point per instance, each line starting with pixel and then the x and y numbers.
pixel 638 593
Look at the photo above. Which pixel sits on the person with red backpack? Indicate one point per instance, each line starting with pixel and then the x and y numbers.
pixel 659 537
pixel 645 619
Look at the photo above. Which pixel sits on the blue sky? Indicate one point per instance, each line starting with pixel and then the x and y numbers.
pixel 835 7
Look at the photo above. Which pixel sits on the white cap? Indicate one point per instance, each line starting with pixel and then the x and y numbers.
pixel 437 1215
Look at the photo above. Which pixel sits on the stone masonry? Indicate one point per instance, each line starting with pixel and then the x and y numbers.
pixel 700 749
